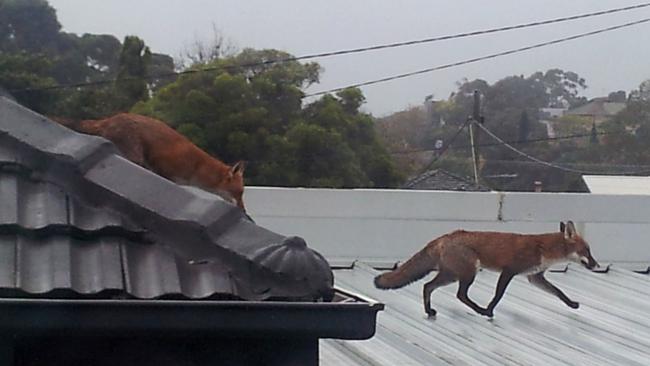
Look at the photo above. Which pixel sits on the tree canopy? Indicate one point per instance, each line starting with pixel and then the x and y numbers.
pixel 246 106
pixel 256 114
pixel 510 108
pixel 37 54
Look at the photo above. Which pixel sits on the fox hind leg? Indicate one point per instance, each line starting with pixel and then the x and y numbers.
pixel 463 287
pixel 463 262
pixel 443 278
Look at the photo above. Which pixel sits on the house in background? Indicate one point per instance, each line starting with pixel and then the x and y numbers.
pixel 598 109
pixel 551 113
pixel 105 263
pixel 617 184
pixel 430 111
pixel 442 180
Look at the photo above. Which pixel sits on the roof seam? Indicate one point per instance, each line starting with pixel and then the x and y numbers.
pixel 75 232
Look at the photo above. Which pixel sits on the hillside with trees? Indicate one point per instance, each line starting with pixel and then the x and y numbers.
pixel 512 108
pixel 252 113
pixel 36 55
pixel 248 105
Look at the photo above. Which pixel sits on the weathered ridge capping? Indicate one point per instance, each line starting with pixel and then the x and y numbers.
pixel 200 228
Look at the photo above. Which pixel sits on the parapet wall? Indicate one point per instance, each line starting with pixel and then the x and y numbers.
pixel 383 226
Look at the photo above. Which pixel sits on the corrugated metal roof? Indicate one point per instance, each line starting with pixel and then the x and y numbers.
pixel 611 184
pixel 530 327
pixel 50 243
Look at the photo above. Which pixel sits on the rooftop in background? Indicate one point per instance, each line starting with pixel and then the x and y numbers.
pixel 613 184
pixel 442 180
pixel 597 108
pixel 530 327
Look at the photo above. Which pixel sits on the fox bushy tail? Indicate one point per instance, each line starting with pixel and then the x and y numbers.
pixel 418 266
pixel 84 126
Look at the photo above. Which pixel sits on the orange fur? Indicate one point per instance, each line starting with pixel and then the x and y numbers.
pixel 459 255
pixel 156 146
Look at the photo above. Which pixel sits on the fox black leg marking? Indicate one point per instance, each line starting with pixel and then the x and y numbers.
pixel 463 287
pixel 442 279
pixel 504 280
pixel 541 282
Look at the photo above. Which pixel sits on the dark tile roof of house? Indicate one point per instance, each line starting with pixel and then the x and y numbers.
pixel 77 219
pixel 439 179
pixel 599 107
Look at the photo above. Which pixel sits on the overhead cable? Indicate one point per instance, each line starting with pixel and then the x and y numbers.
pixel 549 164
pixel 477 59
pixel 343 52
pixel 517 142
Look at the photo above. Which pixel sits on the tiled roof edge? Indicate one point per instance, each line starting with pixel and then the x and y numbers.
pixel 180 218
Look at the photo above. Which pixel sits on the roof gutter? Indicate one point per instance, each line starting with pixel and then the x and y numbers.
pixel 350 317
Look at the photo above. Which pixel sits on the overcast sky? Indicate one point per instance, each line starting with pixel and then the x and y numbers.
pixel 617 60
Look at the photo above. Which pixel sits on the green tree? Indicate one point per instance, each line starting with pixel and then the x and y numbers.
pixel 642 93
pixel 510 108
pixel 28 25
pixel 341 114
pixel 36 54
pixel 131 85
pixel 20 72
pixel 524 127
pixel 256 114
pixel 594 134
pixel 562 87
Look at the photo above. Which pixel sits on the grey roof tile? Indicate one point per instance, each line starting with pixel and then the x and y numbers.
pixel 40 265
pixel 59 182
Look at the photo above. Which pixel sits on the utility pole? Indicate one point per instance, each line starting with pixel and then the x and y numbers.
pixel 473 133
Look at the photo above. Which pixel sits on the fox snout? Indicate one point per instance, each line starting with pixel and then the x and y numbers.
pixel 589 262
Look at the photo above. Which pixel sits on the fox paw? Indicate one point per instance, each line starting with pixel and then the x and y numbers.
pixel 489 313
pixel 573 304
pixel 431 312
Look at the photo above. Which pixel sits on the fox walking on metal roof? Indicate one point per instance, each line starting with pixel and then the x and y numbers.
pixel 460 254
pixel 154 145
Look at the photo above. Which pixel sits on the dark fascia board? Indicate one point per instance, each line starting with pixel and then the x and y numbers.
pixel 194 227
pixel 351 318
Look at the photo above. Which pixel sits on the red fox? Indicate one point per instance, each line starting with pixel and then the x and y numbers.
pixel 156 146
pixel 460 254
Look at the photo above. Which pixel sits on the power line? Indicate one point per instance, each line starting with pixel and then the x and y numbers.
pixel 549 164
pixel 345 51
pixel 592 165
pixel 475 33
pixel 517 142
pixel 482 58
pixel 446 147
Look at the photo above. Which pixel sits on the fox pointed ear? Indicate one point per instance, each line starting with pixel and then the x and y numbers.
pixel 238 168
pixel 570 230
pixel 562 227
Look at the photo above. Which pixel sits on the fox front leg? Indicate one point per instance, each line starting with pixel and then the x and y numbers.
pixel 504 280
pixel 541 282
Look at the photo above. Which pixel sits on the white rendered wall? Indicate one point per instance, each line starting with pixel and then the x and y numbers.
pixel 384 226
